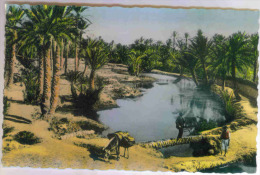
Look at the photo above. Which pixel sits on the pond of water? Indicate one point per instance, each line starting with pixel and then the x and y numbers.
pixel 153 115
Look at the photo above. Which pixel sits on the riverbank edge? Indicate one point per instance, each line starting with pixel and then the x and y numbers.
pixel 234 126
pixel 240 121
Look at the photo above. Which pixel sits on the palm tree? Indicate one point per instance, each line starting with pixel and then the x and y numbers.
pixel 174 35
pixel 49 23
pixel 200 48
pixel 136 60
pixel 254 43
pixel 186 35
pixel 219 53
pixel 80 23
pixel 185 59
pixel 96 56
pixel 64 29
pixel 238 56
pixel 13 19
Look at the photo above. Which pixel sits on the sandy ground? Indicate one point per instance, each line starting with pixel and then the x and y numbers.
pixel 55 153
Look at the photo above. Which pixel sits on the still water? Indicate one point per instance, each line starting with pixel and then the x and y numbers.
pixel 153 115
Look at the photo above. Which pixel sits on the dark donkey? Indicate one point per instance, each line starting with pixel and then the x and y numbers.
pixel 118 139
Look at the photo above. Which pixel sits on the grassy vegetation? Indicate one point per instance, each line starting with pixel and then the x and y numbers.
pixel 30 80
pixel 7 130
pixel 26 137
pixel 196 125
pixel 6 105
pixel 229 104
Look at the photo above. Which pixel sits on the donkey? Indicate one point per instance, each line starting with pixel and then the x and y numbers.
pixel 113 145
pixel 118 139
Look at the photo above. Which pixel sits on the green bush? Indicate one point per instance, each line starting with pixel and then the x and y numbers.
pixel 195 126
pixel 30 80
pixel 83 97
pixel 26 137
pixel 6 105
pixel 229 104
pixel 7 130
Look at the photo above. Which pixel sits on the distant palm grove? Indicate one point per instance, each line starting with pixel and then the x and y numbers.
pixel 42 38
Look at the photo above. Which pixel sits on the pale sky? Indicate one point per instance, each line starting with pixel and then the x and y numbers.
pixel 124 25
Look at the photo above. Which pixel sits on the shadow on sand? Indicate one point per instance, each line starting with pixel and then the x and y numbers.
pixel 17 119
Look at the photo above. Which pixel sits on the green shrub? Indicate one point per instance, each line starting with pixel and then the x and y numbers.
pixel 63 126
pixel 83 97
pixel 30 80
pixel 6 105
pixel 26 137
pixel 7 130
pixel 195 126
pixel 229 104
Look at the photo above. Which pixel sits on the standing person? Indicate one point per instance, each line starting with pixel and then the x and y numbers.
pixel 225 139
pixel 180 122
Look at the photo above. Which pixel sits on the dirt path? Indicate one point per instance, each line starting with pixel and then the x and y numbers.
pixel 55 153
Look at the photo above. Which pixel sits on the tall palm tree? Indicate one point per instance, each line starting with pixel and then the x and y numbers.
pixel 254 43
pixel 238 56
pixel 219 59
pixel 200 48
pixel 13 20
pixel 174 35
pixel 136 60
pixel 80 23
pixel 49 23
pixel 63 29
pixel 185 59
pixel 96 56
pixel 186 35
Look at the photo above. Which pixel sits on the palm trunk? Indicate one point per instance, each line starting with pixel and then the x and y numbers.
pixel 55 80
pixel 85 69
pixel 45 105
pixel 73 91
pixel 51 54
pixel 61 55
pixel 255 70
pixel 12 61
pixel 233 73
pixel 194 77
pixel 92 80
pixel 76 56
pixel 66 58
pixel 223 82
pixel 41 75
pixel 181 71
pixel 205 73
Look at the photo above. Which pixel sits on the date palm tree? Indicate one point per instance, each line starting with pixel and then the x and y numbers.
pixel 14 17
pixel 238 56
pixel 219 57
pixel 254 43
pixel 200 48
pixel 49 23
pixel 81 23
pixel 136 60
pixel 174 35
pixel 186 60
pixel 96 55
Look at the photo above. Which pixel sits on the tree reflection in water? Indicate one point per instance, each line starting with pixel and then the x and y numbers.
pixel 204 113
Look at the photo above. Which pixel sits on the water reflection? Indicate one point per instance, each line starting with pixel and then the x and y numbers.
pixel 152 116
